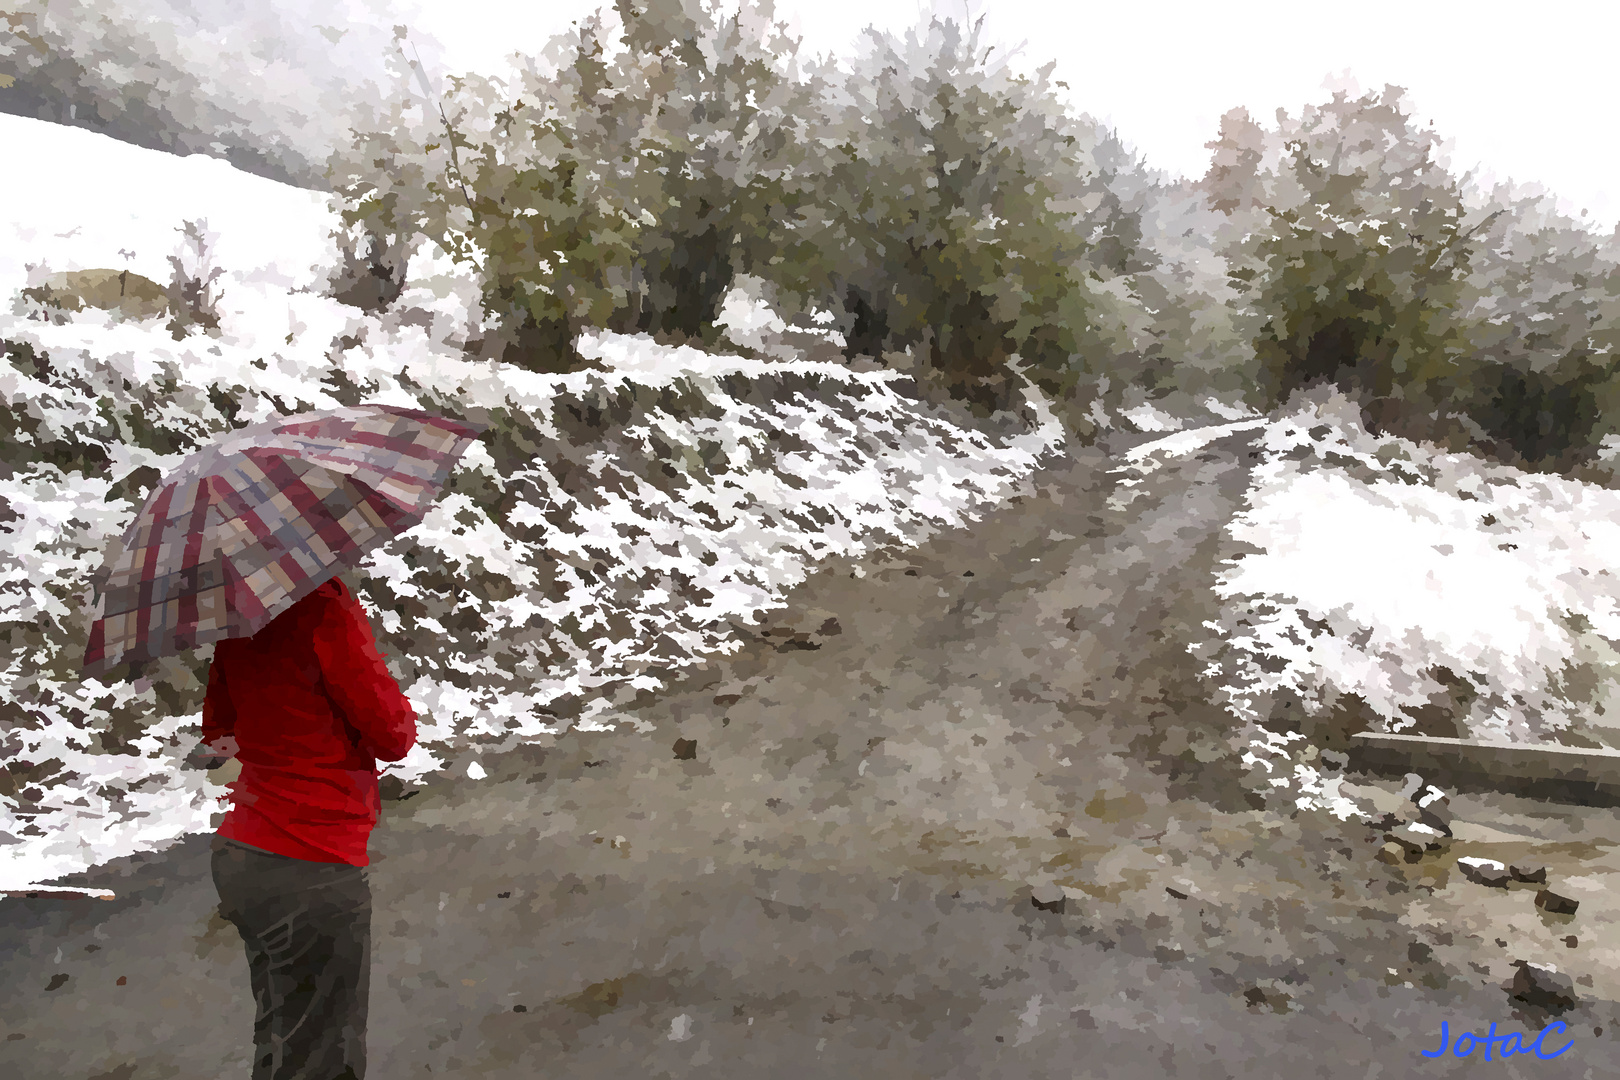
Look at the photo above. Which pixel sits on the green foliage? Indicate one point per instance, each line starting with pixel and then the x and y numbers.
pixel 1544 295
pixel 623 191
pixel 944 205
pixel 937 223
pixel 1358 264
pixel 1362 261
pixel 722 109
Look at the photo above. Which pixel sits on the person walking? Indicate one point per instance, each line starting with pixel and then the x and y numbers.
pixel 308 708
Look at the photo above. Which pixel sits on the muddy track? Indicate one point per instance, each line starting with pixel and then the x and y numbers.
pixel 832 876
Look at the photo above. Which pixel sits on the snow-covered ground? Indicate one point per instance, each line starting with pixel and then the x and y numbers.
pixel 608 568
pixel 1376 569
pixel 83 201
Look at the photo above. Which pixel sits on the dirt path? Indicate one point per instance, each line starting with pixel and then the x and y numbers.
pixel 838 882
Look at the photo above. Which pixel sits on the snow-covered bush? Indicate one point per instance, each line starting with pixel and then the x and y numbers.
pixel 193 295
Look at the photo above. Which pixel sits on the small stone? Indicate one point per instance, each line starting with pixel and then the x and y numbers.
pixel 1529 872
pixel 1434 810
pixel 1392 853
pixel 1430 838
pixel 1542 986
pixel 1411 786
pixel 1554 904
pixel 391 788
pixel 1276 1000
pixel 1414 840
pixel 685 749
pixel 1484 872
pixel 1049 898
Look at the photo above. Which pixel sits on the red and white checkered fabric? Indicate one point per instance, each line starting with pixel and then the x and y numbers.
pixel 247 527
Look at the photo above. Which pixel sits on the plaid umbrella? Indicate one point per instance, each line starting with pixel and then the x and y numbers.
pixel 248 526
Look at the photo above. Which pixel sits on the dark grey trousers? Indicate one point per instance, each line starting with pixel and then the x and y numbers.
pixel 307 928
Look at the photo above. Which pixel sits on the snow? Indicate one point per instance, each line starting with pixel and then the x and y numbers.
pixel 1366 566
pixel 807 462
pixel 88 202
pixel 1409 577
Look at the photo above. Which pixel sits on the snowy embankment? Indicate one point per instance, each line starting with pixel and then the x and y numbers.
pixel 1388 581
pixel 613 526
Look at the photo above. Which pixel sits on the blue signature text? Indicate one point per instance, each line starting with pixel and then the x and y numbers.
pixel 1511 1042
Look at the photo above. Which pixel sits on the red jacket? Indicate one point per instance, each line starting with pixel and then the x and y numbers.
pixel 312 709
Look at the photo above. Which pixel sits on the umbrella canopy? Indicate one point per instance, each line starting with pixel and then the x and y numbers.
pixel 246 527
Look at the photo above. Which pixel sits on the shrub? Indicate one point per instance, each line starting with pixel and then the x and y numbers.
pixel 1356 265
pixel 370 273
pixel 193 299
pixel 1544 299
pixel 624 189
pixel 937 223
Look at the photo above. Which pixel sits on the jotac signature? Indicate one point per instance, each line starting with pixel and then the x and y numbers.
pixel 1512 1042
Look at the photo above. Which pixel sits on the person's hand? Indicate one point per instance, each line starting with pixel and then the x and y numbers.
pixel 211 755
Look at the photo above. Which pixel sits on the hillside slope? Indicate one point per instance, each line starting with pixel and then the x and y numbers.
pixel 613 525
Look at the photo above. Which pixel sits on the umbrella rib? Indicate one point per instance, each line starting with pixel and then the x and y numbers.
pixel 154 539
pixel 202 501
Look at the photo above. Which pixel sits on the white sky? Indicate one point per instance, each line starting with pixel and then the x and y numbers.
pixel 1520 88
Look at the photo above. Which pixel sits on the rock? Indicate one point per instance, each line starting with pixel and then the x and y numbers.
pixel 685 749
pixel 1411 786
pixel 131 294
pixel 1379 806
pixel 1438 822
pixel 1434 810
pixel 1335 760
pixel 1484 872
pixel 1554 904
pixel 1049 898
pixel 1542 986
pixel 392 789
pixel 1531 873
pixel 1276 1000
pixel 1393 853
pixel 1415 839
